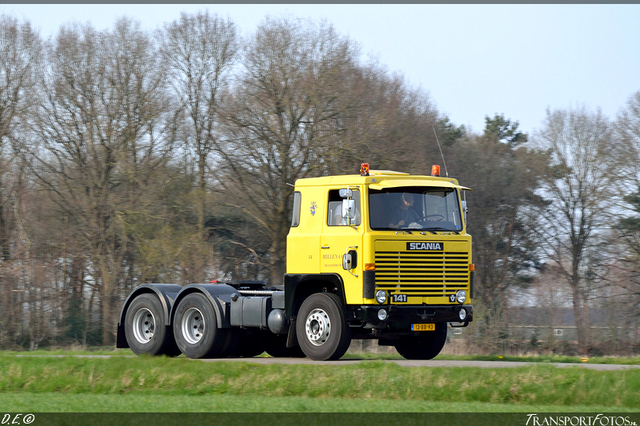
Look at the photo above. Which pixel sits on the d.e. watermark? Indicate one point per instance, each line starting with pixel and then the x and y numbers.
pixel 18 419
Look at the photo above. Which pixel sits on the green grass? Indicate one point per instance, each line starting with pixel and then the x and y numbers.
pixel 368 356
pixel 124 384
pixel 545 359
pixel 107 403
pixel 65 352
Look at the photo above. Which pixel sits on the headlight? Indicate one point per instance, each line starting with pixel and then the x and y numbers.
pixel 462 314
pixel 381 296
pixel 382 315
pixel 461 296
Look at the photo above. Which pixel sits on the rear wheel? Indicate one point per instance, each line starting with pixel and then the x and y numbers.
pixel 321 327
pixel 427 345
pixel 145 328
pixel 195 328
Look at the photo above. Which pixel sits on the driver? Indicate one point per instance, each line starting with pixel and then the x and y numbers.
pixel 404 215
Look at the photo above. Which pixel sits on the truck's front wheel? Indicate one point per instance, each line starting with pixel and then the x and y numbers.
pixel 425 346
pixel 196 329
pixel 321 327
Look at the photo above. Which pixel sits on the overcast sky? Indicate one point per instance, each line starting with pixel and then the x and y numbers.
pixel 474 60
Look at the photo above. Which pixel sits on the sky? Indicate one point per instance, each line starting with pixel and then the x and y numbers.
pixel 473 60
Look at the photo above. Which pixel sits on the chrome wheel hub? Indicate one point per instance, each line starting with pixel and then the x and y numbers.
pixel 318 327
pixel 144 325
pixel 192 326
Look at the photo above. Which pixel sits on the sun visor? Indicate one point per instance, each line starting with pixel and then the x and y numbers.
pixel 400 183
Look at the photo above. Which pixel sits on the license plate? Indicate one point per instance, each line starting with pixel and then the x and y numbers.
pixel 423 327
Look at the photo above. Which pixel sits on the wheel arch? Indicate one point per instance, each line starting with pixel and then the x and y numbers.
pixel 297 287
pixel 219 295
pixel 165 292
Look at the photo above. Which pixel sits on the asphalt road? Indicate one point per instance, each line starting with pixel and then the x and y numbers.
pixel 430 363
pixel 400 362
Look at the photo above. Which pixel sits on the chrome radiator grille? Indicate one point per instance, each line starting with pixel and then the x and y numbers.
pixel 422 274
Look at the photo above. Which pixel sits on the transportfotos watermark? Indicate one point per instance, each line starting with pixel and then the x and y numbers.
pixel 17 419
pixel 595 420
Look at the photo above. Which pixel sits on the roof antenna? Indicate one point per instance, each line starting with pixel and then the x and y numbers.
pixel 441 154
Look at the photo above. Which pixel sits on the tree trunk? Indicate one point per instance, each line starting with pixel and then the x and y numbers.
pixel 202 208
pixel 578 313
pixel 108 338
pixel 277 262
pixel 278 252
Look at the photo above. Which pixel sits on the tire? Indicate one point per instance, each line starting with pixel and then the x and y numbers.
pixel 195 328
pixel 145 329
pixel 425 346
pixel 231 344
pixel 276 346
pixel 321 327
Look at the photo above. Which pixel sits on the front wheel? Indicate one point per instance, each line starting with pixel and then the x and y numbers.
pixel 195 328
pixel 145 328
pixel 427 345
pixel 322 329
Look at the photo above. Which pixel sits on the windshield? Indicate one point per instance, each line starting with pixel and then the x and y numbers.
pixel 435 209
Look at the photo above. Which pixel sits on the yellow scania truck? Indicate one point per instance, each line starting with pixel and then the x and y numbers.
pixel 378 255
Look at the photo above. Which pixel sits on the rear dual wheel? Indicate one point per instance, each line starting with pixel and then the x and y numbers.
pixel 145 328
pixel 195 327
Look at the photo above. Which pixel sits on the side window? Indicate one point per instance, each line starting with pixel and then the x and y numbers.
pixel 295 217
pixel 334 209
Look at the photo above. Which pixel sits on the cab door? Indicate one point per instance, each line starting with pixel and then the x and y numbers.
pixel 303 241
pixel 338 238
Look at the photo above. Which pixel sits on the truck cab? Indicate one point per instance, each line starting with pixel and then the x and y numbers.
pixel 396 248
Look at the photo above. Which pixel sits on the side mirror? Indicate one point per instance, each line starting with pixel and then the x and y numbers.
pixel 349 209
pixel 345 193
pixel 350 260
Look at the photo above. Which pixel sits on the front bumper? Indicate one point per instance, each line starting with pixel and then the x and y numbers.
pixel 400 315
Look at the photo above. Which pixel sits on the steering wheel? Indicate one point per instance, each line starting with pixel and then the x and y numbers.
pixel 438 216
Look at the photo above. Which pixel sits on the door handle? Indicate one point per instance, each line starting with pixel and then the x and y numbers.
pixel 324 247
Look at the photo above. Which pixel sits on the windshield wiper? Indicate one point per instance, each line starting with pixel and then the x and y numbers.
pixel 441 230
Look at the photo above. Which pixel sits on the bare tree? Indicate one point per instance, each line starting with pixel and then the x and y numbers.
pixel 581 186
pixel 628 130
pixel 200 51
pixel 282 120
pixel 20 60
pixel 389 125
pixel 101 119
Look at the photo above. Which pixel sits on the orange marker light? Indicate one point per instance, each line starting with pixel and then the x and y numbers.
pixel 472 267
pixel 435 170
pixel 369 266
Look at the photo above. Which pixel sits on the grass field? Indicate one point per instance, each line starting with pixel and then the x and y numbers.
pixel 535 358
pixel 142 384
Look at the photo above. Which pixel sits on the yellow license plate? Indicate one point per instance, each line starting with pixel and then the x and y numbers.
pixel 423 327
